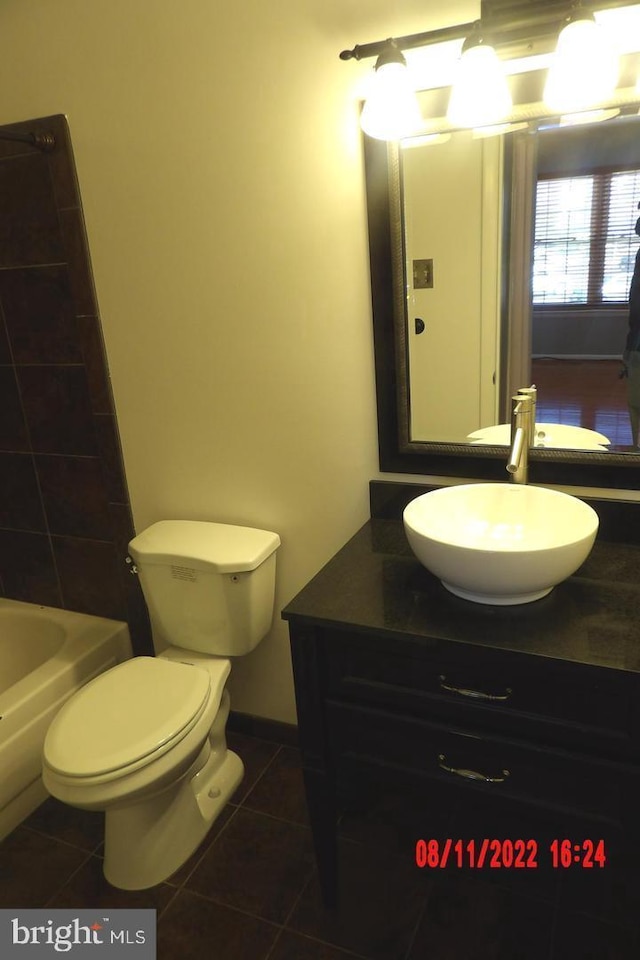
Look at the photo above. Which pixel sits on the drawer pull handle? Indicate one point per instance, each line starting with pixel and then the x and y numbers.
pixel 474 694
pixel 470 774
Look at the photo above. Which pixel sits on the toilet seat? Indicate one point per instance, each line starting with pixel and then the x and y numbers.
pixel 128 717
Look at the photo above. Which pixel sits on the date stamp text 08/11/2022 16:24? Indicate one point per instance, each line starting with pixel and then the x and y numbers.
pixel 505 854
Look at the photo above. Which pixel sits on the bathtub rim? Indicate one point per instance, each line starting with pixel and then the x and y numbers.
pixel 106 642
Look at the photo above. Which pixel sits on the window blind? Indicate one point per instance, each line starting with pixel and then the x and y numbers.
pixel 585 244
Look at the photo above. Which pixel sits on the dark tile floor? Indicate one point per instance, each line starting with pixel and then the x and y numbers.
pixel 250 891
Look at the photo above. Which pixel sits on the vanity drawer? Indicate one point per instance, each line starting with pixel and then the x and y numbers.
pixel 507 769
pixel 554 701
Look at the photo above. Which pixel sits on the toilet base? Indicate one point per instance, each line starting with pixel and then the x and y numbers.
pixel 148 841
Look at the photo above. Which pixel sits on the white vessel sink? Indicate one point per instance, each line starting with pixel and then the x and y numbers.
pixel 500 543
pixel 557 435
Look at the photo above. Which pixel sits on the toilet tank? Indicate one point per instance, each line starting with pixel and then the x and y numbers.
pixel 209 587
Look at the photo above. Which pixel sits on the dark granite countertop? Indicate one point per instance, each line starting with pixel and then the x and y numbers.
pixel 375 585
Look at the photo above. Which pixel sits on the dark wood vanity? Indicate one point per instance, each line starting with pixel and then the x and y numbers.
pixel 537 705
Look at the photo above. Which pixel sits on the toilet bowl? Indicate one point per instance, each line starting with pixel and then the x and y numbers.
pixel 145 741
pixel 149 740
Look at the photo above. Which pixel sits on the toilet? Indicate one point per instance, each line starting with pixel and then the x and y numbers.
pixel 145 741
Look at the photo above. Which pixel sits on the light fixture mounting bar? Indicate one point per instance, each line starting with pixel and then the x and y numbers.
pixel 42 140
pixel 507 25
pixel 363 51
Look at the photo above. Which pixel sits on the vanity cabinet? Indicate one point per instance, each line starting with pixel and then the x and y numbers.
pixel 396 679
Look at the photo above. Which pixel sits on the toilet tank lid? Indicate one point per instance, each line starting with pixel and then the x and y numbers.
pixel 202 544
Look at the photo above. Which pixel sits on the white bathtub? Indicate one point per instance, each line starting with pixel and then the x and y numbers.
pixel 45 655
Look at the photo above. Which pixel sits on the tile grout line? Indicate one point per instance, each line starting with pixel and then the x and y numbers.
pixel 205 852
pixel 421 916
pixel 555 921
pixel 306 936
pixel 346 951
pixel 225 906
pixel 259 778
pixel 68 880
pixel 160 913
pixel 58 839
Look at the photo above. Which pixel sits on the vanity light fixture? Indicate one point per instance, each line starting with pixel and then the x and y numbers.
pixel 480 93
pixel 391 110
pixel 518 30
pixel 584 69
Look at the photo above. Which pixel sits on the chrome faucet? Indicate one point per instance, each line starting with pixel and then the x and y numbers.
pixel 522 434
pixel 532 392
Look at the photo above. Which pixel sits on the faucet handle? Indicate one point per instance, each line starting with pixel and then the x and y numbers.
pixel 521 402
pixel 531 392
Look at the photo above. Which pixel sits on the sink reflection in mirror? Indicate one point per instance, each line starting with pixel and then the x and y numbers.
pixel 552 435
pixel 500 543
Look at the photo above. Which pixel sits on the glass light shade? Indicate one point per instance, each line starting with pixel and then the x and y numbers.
pixel 480 93
pixel 584 70
pixel 391 110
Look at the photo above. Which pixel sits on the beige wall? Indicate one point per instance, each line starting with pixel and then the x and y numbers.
pixel 220 169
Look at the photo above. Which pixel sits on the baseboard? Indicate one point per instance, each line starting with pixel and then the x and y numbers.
pixel 285 734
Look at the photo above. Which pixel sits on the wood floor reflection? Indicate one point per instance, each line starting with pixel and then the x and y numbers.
pixel 586 393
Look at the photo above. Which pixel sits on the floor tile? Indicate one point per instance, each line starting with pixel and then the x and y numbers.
pixel 250 891
pixel 293 946
pixel 33 866
pixel 89 888
pixel 590 939
pixel 258 864
pixel 470 918
pixel 184 872
pixel 81 828
pixel 381 899
pixel 280 790
pixel 193 928
pixel 610 892
pixel 256 756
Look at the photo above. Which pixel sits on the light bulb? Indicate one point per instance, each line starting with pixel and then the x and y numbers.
pixel 391 110
pixel 584 70
pixel 480 94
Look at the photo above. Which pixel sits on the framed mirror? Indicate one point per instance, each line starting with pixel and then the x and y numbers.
pixel 473 300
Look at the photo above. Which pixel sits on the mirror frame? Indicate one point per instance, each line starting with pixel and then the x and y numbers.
pixel 397 452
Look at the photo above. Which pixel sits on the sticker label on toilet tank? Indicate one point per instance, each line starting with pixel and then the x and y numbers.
pixel 78 934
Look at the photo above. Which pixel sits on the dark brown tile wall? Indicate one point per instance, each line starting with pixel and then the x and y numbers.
pixel 65 519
